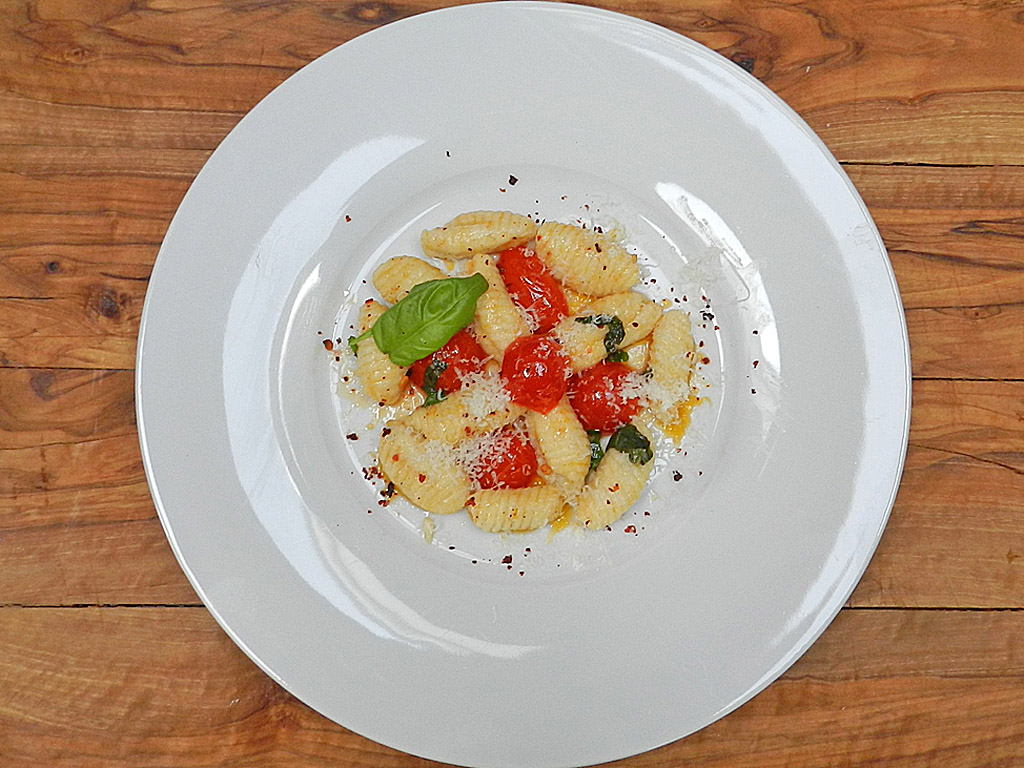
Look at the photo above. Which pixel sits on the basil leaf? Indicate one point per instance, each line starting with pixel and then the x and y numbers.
pixel 430 377
pixel 596 451
pixel 612 337
pixel 618 356
pixel 424 321
pixel 632 442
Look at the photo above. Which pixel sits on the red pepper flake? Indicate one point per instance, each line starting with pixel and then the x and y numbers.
pixel 705 360
pixel 701 344
pixel 369 511
pixel 629 529
pixel 394 457
pixel 501 189
pixel 384 432
pixel 352 436
pixel 754 332
pixel 522 573
pixel 699 473
pixel 677 475
pixel 528 550
pixel 753 391
pixel 471 501
pixel 756 362
pixel 646 513
pixel 512 180
pixel 506 559
pixel 422 478
pixel 328 345
pixel 319 333
pixel 563 197
pixel 348 218
pixel 717 328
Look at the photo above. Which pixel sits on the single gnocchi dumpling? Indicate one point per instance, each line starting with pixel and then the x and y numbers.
pixel 423 470
pixel 477 409
pixel 564 446
pixel 498 321
pixel 477 232
pixel 637 313
pixel 514 509
pixel 672 357
pixel 383 381
pixel 613 487
pixel 585 260
pixel 397 276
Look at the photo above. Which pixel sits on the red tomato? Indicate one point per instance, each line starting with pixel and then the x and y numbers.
pixel 532 287
pixel 462 355
pixel 511 463
pixel 535 372
pixel 597 397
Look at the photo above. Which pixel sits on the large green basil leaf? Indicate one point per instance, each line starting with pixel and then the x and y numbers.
pixel 424 321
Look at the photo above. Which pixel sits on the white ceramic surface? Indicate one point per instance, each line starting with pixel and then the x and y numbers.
pixel 609 643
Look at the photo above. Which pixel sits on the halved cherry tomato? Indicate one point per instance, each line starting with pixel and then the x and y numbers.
pixel 512 463
pixel 461 355
pixel 532 287
pixel 535 372
pixel 597 397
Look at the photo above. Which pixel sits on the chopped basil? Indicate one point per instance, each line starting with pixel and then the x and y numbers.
pixel 632 442
pixel 618 356
pixel 612 337
pixel 430 377
pixel 596 451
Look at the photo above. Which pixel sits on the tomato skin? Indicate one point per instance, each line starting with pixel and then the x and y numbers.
pixel 462 354
pixel 532 287
pixel 514 466
pixel 535 372
pixel 596 396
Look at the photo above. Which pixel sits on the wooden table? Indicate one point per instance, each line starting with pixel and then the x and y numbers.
pixel 109 108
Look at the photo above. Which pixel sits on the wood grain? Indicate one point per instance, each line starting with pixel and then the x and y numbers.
pixel 879 688
pixel 925 82
pixel 73 493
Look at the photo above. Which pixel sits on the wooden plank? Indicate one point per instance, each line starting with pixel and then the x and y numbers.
pixel 77 524
pixel 926 82
pixel 890 688
pixel 955 236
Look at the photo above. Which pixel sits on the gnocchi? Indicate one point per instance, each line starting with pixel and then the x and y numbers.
pixel 475 440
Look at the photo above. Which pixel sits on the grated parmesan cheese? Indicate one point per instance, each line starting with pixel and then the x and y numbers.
pixel 483 395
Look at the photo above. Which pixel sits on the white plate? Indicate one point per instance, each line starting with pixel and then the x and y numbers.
pixel 610 643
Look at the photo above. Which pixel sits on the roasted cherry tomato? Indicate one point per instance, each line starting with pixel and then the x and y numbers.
pixel 598 398
pixel 532 288
pixel 461 355
pixel 511 463
pixel 535 372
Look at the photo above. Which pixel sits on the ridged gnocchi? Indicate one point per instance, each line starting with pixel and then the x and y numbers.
pixel 586 260
pixel 397 276
pixel 498 320
pixel 382 380
pixel 514 509
pixel 477 232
